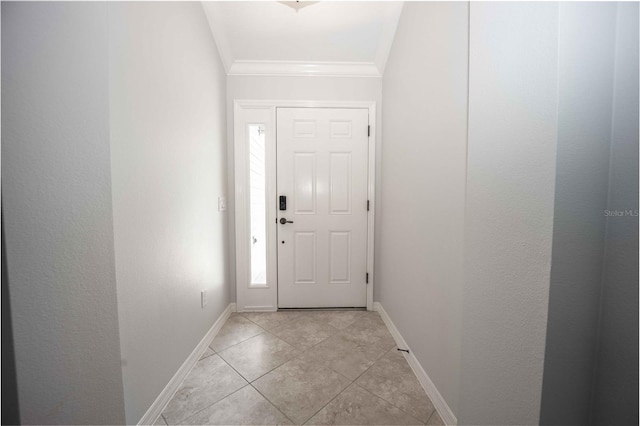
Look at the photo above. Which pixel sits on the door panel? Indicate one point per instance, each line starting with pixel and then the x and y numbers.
pixel 304 182
pixel 340 257
pixel 304 257
pixel 340 176
pixel 322 169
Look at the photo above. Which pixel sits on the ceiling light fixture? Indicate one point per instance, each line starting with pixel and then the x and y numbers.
pixel 297 5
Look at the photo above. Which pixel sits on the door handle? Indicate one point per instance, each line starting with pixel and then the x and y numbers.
pixel 283 221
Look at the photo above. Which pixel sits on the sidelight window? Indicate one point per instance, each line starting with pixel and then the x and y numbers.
pixel 257 205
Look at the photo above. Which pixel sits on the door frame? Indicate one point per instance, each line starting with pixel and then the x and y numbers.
pixel 265 298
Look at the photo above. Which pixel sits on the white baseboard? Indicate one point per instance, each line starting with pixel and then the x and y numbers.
pixel 439 403
pixel 260 308
pixel 167 393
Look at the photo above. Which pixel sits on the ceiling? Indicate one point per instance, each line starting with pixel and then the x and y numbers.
pixel 350 38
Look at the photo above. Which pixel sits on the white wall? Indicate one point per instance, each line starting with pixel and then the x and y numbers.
pixel 513 82
pixel 292 88
pixel 167 106
pixel 420 246
pixel 56 191
pixel 585 91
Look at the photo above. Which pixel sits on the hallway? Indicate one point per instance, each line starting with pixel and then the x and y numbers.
pixel 315 367
pixel 173 173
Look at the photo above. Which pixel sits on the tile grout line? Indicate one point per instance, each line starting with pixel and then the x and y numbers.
pixel 351 383
pixel 434 412
pixel 271 334
pixel 272 404
pixel 317 343
pixel 251 337
pixel 242 341
pixel 330 401
pixel 267 331
pixel 220 399
pixel 242 315
pixel 388 402
pixel 205 357
pixel 247 381
pixel 211 405
pixel 302 351
pixel 300 354
pixel 251 384
pixel 363 373
pixel 262 375
pixel 367 369
pixel 216 401
pixel 384 399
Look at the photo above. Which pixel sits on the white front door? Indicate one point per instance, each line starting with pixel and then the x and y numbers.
pixel 322 158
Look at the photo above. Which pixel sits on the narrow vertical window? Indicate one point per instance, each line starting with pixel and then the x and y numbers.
pixel 257 205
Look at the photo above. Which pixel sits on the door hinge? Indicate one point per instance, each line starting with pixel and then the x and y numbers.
pixel 369 130
pixel 367 278
pixel 367 205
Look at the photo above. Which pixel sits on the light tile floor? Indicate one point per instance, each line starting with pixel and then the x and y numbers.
pixel 301 367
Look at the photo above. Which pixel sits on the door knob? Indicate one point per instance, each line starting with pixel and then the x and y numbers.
pixel 283 220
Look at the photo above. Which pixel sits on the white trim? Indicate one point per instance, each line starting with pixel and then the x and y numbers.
pixel 429 387
pixel 172 387
pixel 260 308
pixel 285 103
pixel 250 297
pixel 238 107
pixel 302 68
pixel 371 216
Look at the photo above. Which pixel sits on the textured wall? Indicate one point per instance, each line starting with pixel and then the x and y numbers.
pixel 168 134
pixel 586 47
pixel 419 273
pixel 56 190
pixel 513 80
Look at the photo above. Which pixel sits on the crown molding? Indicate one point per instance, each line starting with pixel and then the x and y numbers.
pixel 299 68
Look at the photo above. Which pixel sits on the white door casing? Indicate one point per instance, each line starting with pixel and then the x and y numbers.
pixel 249 296
pixel 247 112
pixel 322 169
